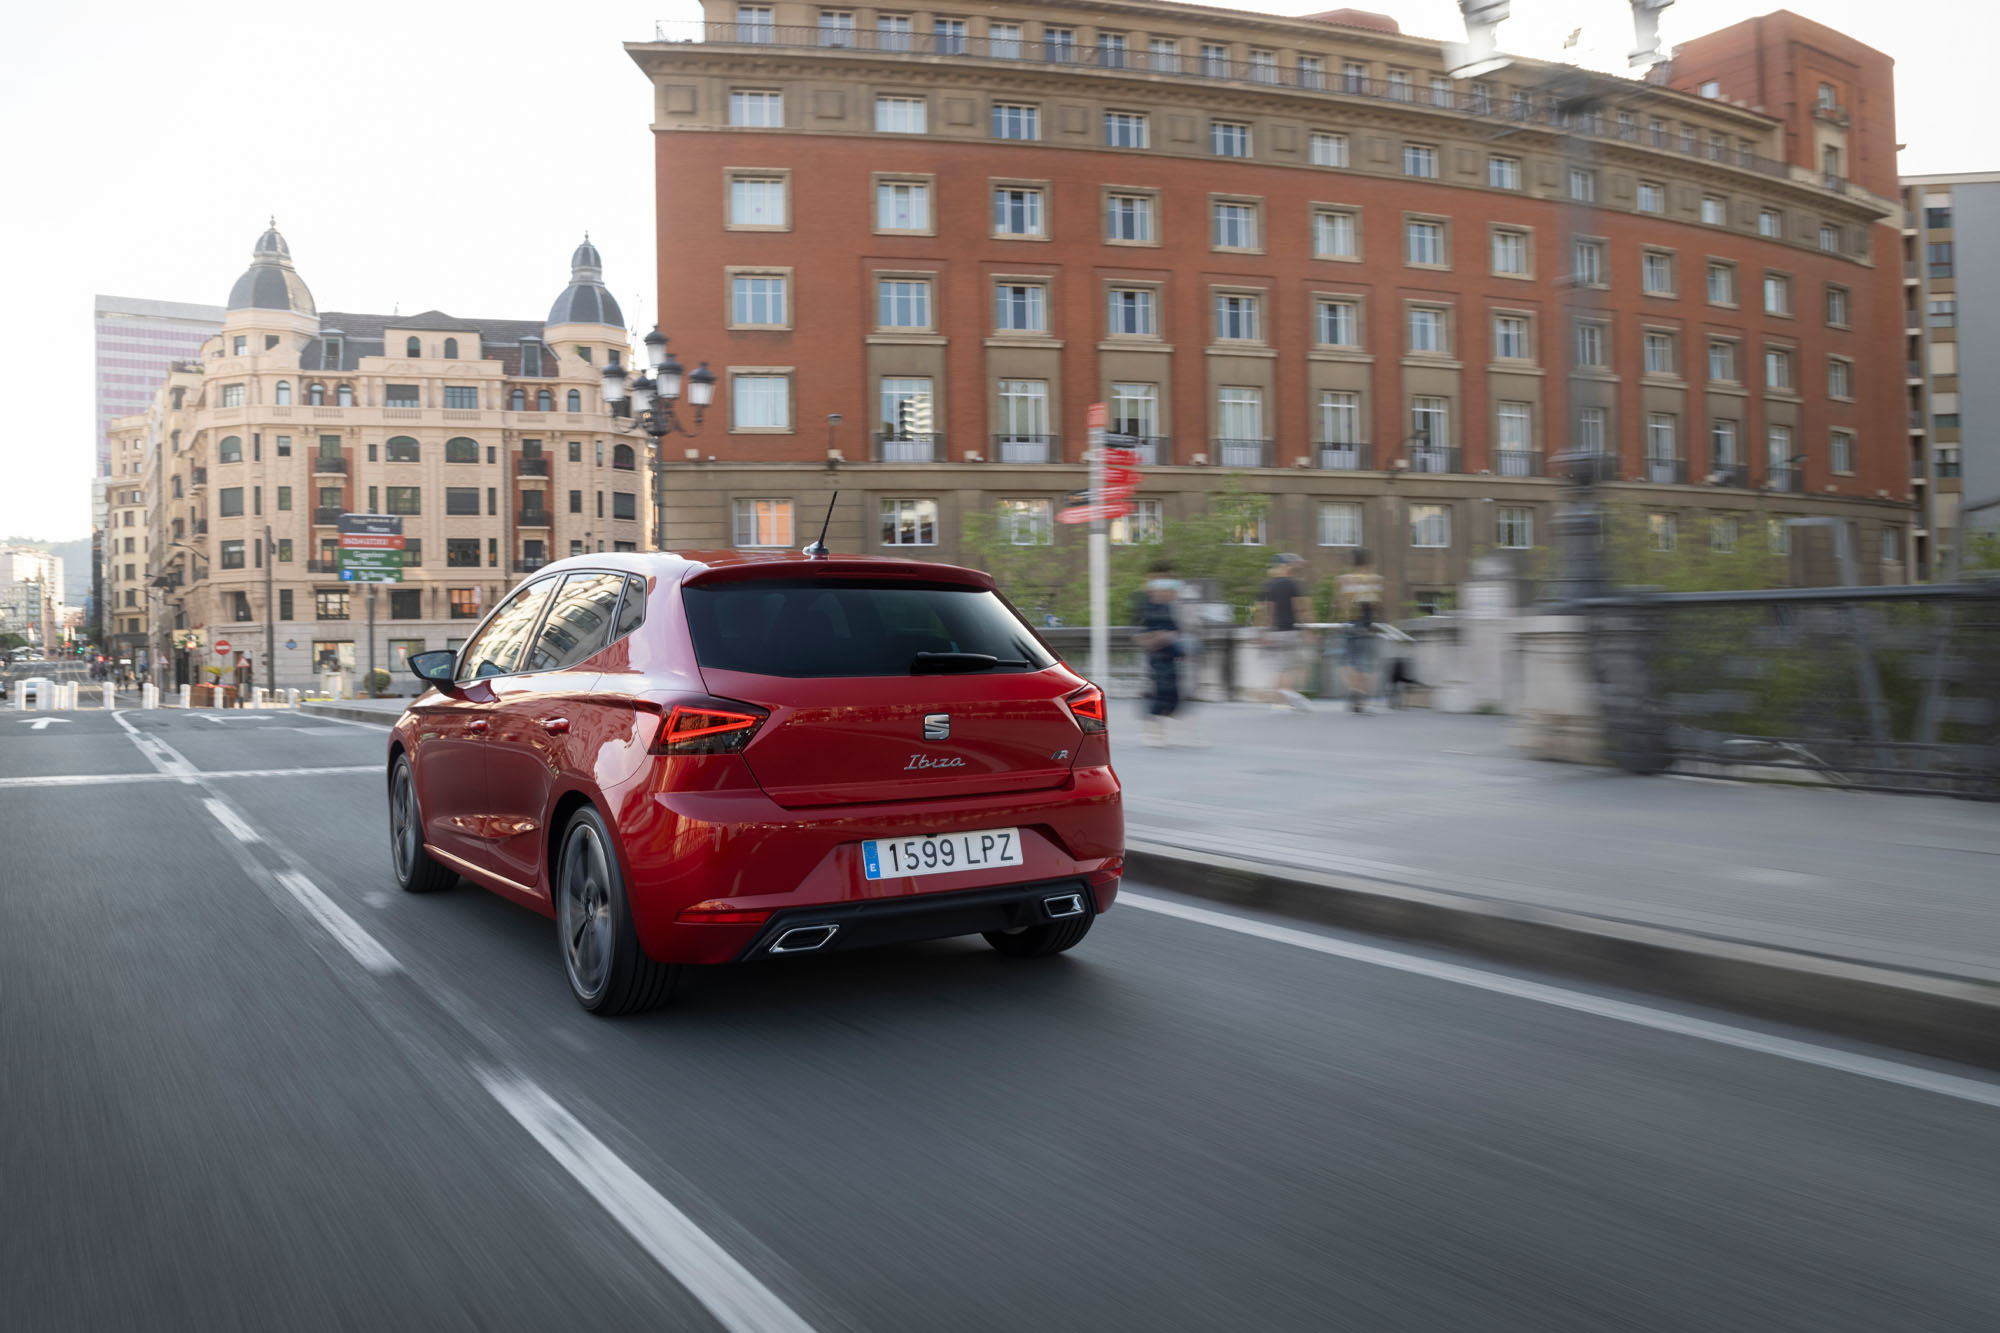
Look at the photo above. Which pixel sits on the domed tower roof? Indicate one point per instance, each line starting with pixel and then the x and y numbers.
pixel 270 283
pixel 586 300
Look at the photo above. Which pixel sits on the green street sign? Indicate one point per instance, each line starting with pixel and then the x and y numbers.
pixel 370 566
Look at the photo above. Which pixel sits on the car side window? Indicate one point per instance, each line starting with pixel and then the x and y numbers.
pixel 632 611
pixel 498 648
pixel 578 623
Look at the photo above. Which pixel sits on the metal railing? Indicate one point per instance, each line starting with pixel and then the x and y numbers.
pixel 1432 457
pixel 323 514
pixel 1149 450
pixel 1667 471
pixel 533 518
pixel 1731 474
pixel 1027 448
pixel 1469 100
pixel 534 467
pixel 1344 456
pixel 1241 453
pixel 322 566
pixel 1517 463
pixel 528 566
pixel 1578 466
pixel 198 476
pixel 1790 479
pixel 909 449
pixel 201 527
pixel 321 463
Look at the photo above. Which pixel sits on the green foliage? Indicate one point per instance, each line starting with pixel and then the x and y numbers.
pixel 1694 564
pixel 1038 579
pixel 378 682
pixel 9 642
pixel 1982 551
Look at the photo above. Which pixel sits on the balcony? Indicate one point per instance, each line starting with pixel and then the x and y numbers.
pixel 528 566
pixel 1517 463
pixel 1344 456
pixel 909 449
pixel 1732 474
pixel 201 527
pixel 329 466
pixel 1241 453
pixel 1433 458
pixel 533 467
pixel 198 476
pixel 1149 450
pixel 322 566
pixel 1786 478
pixel 1667 471
pixel 533 518
pixel 1027 448
pixel 326 515
pixel 1196 67
pixel 1585 465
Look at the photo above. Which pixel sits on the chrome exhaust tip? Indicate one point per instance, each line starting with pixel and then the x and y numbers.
pixel 1060 905
pixel 803 939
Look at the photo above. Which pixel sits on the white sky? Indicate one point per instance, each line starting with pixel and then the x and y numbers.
pixel 451 156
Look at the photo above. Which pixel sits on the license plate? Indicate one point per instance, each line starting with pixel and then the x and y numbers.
pixel 941 853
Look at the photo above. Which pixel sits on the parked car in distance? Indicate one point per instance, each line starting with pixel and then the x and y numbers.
pixel 702 758
pixel 33 689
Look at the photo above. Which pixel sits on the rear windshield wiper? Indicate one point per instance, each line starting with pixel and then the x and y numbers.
pixel 933 663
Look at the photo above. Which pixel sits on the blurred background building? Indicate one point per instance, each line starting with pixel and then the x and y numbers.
pixel 31 595
pixel 917 245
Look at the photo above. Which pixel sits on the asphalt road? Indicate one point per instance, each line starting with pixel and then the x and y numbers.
pixel 250 1085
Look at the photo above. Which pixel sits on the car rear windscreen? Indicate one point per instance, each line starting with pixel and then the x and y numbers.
pixel 826 627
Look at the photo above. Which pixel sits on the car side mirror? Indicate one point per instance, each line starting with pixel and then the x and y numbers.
pixel 434 668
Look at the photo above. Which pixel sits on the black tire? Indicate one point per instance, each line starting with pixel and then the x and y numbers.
pixel 1044 940
pixel 415 870
pixel 607 970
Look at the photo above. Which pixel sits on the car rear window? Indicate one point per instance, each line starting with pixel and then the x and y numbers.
pixel 823 627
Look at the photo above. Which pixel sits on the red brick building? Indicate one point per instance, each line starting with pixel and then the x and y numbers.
pixel 1290 250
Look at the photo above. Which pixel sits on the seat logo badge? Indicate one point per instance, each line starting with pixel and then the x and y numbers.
pixel 918 761
pixel 937 726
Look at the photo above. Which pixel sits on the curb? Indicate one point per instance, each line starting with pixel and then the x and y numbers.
pixel 349 713
pixel 1914 1011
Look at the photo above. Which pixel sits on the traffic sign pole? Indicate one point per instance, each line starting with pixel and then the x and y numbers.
pixel 1100 555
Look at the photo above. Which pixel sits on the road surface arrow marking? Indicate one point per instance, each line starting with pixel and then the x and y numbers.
pixel 42 723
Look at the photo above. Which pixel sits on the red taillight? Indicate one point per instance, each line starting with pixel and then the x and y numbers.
pixel 708 726
pixel 1087 707
pixel 717 911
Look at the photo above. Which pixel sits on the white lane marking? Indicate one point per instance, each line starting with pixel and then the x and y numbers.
pixel 388 720
pixel 294 772
pixel 367 950
pixel 1622 1011
pixel 43 723
pixel 229 819
pixel 107 779
pixel 159 754
pixel 710 1273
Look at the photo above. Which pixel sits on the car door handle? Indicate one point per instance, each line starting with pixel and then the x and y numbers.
pixel 556 726
pixel 480 725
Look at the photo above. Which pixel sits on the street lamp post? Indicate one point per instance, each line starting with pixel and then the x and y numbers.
pixel 651 404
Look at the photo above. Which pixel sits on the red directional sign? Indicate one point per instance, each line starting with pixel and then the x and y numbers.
pixel 1085 513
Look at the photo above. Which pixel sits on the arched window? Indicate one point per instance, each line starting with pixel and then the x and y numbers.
pixel 413 347
pixel 544 400
pixel 461 450
pixel 621 457
pixel 316 394
pixel 230 450
pixel 402 449
pixel 451 347
pixel 284 398
pixel 345 395
pixel 575 401
pixel 518 400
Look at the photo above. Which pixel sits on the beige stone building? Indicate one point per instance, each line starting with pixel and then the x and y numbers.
pixel 489 438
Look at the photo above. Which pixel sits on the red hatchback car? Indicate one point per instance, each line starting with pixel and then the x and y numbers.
pixel 709 758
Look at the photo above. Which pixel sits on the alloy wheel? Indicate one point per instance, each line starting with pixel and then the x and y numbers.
pixel 586 911
pixel 403 822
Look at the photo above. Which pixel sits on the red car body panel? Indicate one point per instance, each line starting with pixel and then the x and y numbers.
pixel 499 763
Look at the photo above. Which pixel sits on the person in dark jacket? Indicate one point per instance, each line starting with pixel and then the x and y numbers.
pixel 1159 637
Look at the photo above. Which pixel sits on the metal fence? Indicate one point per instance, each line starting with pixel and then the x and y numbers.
pixel 1886 689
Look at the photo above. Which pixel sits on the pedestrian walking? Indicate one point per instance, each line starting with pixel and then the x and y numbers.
pixel 1360 597
pixel 1159 637
pixel 246 676
pixel 1281 609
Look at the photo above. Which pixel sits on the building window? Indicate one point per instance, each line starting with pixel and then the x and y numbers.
pixel 1020 307
pixel 1229 138
pixel 1836 307
pixel 1333 235
pixel 909 522
pixel 464 602
pixel 903 303
pixel 315 394
pixel 1427 329
pixel 544 400
pixel 1590 431
pixel 756 110
pixel 1024 421
pixel 1328 150
pixel 576 502
pixel 1590 346
pixel 1941 312
pixel 229 449
pixel 1652 197
pixel 1247 532
pixel 836 28
pixel 1337 324
pixel 1660 531
pixel 1235 225
pixel 1340 420
pixel 1587 265
pixel 458 449
pixel 1714 211
pixel 1340 523
pixel 463 500
pixel 1722 362
pixel 1722 443
pixel 1017 211
pixel 1423 243
pixel 1582 184
pixel 1430 526
pixel 1163 54
pixel 1016 120
pixel 902 206
pixel 1239 415
pixel 330 604
pixel 461 397
pixel 757 201
pixel 1028 522
pixel 1892 544
pixel 760 402
pixel 1129 217
pixel 908 419
pixel 624 504
pixel 757 300
pixel 1510 253
pixel 1420 160
pixel 517 400
pixel 1510 338
pixel 1656 273
pixel 573 401
pixel 1430 427
pixel 1135 410
pixel 1839 378
pixel 1132 313
pixel 282 395
pixel 1829 238
pixel 1400 87
pixel 761 523
pixel 1777 369
pixel 1144 526
pixel 232 394
pixel 231 502
pixel 232 554
pixel 284 501
pixel 1263 67
pixel 1777 294
pixel 1722 284
pixel 901 115
pixel 404 500
pixel 1659 353
pixel 1515 440
pixel 451 349
pixel 1841 451
pixel 1514 528
pixel 1003 40
pixel 1059 44
pixel 1125 129
pixel 1238 317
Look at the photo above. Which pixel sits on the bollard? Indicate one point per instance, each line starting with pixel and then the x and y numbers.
pixel 20 697
pixel 187 696
pixel 149 695
pixel 291 698
pixel 110 697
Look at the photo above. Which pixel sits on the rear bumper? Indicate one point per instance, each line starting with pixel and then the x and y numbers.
pixel 930 916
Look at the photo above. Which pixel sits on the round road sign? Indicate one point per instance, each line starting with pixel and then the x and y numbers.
pixel 222 647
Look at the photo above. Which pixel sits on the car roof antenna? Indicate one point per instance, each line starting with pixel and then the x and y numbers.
pixel 818 551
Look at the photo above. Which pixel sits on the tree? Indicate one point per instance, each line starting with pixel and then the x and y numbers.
pixel 1982 551
pixel 1693 561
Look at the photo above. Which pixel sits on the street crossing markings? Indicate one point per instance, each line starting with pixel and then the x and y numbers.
pixel 109 779
pixel 710 1273
pixel 367 950
pixel 1623 1011
pixel 229 819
